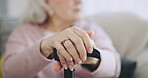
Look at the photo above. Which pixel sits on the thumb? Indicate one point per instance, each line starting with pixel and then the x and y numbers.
pixel 90 34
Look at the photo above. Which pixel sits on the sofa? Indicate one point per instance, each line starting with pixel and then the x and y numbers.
pixel 128 32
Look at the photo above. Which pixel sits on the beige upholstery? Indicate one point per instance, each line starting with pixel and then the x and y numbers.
pixel 130 37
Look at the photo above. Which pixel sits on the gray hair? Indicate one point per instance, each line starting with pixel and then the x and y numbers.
pixel 36 12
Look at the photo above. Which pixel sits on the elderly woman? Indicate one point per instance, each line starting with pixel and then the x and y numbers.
pixel 47 23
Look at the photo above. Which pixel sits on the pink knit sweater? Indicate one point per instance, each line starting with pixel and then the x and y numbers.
pixel 23 58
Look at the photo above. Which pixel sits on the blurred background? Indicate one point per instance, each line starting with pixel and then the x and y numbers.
pixel 13 8
pixel 126 22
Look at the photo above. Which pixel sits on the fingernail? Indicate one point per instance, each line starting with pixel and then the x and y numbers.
pixel 84 58
pixel 70 59
pixel 90 50
pixel 65 66
pixel 78 61
pixel 71 67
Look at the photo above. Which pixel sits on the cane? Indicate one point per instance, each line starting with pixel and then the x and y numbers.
pixel 71 74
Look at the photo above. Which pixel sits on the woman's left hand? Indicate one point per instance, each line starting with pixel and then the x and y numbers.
pixel 90 60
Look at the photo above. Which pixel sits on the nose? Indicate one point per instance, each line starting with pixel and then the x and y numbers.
pixel 78 1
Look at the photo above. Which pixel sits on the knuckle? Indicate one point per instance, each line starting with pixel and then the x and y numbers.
pixel 75 28
pixel 83 33
pixel 67 30
pixel 64 32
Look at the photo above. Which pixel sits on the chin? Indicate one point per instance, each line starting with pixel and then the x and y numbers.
pixel 78 17
pixel 74 18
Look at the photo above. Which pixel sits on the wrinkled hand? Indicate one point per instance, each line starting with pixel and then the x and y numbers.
pixel 73 51
pixel 89 60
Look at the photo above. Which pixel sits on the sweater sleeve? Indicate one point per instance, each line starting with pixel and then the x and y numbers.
pixel 110 60
pixel 20 60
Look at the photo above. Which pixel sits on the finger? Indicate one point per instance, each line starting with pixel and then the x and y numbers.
pixel 93 43
pixel 72 50
pixel 91 35
pixel 62 51
pixel 85 37
pixel 78 43
pixel 70 65
pixel 57 67
pixel 62 61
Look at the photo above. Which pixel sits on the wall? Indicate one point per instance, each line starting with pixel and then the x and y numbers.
pixel 138 7
pixel 2 8
pixel 92 7
pixel 16 7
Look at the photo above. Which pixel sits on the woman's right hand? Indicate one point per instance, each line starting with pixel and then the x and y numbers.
pixel 73 51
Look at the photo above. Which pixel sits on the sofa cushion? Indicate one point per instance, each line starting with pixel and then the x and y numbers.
pixel 129 34
pixel 127 31
pixel 128 68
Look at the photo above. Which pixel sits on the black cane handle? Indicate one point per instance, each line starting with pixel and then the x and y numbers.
pixel 70 74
